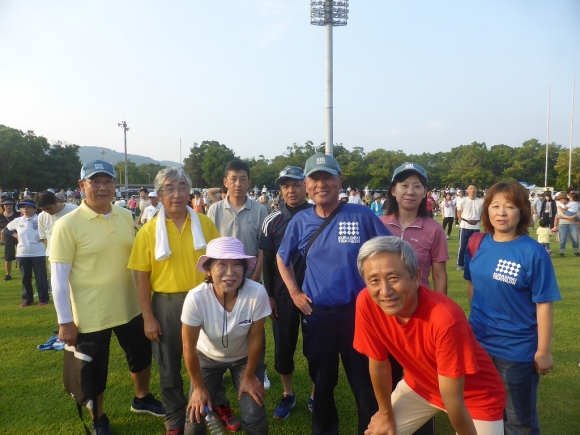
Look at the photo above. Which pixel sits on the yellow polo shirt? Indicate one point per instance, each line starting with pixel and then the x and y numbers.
pixel 103 291
pixel 178 273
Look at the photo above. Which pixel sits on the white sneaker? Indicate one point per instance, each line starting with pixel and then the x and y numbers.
pixel 447 237
pixel 266 381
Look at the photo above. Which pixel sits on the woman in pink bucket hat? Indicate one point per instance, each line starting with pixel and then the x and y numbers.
pixel 223 329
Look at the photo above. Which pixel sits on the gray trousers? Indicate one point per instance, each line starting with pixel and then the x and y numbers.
pixel 254 417
pixel 168 353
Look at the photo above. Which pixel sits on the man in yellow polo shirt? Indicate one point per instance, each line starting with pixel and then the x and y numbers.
pixel 164 257
pixel 88 256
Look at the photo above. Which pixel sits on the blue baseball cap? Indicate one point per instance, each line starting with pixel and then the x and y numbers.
pixel 28 202
pixel 94 167
pixel 321 162
pixel 414 167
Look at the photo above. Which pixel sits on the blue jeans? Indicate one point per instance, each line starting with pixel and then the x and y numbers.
pixel 254 417
pixel 521 384
pixel 464 235
pixel 570 230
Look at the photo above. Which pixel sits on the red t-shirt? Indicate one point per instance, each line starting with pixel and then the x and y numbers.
pixel 437 340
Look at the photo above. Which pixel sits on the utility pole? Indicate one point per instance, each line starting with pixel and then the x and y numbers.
pixel 125 130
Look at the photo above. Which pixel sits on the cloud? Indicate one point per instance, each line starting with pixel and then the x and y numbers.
pixel 435 125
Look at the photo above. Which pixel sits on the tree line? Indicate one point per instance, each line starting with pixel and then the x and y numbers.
pixel 27 160
pixel 461 165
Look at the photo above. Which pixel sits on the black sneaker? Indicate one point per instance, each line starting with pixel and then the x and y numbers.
pixel 561 254
pixel 102 426
pixel 148 404
pixel 7 277
pixel 576 254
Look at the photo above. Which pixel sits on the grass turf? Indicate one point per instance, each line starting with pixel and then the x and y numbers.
pixel 33 401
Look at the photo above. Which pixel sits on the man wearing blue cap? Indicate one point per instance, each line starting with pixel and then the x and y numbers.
pixel 88 256
pixel 285 315
pixel 328 294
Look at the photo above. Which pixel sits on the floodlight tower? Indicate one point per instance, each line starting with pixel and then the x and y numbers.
pixel 328 13
pixel 125 130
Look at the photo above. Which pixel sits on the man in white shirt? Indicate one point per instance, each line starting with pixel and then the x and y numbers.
pixel 151 211
pixel 354 197
pixel 52 210
pixel 469 215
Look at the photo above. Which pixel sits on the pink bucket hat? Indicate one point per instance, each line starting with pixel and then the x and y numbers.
pixel 225 248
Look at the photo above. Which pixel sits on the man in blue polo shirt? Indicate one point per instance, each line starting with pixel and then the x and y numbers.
pixel 328 294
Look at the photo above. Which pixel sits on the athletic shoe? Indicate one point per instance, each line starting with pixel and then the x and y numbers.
pixel 266 381
pixel 284 405
pixel 25 304
pixel 42 304
pixel 576 254
pixel 447 237
pixel 310 404
pixel 7 277
pixel 174 431
pixel 561 254
pixel 148 404
pixel 227 417
pixel 102 426
pixel 459 268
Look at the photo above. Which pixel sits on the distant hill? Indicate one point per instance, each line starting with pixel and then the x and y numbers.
pixel 94 153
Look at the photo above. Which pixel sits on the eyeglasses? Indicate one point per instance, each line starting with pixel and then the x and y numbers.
pixel 171 190
pixel 291 171
pixel 96 184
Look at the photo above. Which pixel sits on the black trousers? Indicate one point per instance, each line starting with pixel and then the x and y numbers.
pixel 285 329
pixel 327 334
pixel 27 266
pixel 448 222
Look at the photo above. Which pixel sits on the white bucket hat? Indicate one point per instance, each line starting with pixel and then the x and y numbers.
pixel 225 248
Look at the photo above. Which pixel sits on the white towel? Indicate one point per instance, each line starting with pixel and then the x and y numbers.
pixel 162 251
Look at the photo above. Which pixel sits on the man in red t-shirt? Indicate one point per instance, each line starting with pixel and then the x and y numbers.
pixel 445 368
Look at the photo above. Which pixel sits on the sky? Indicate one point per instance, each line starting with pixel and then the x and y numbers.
pixel 417 76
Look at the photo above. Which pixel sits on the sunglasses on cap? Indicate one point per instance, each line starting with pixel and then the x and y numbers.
pixel 291 171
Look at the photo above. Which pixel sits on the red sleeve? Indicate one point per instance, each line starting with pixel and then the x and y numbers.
pixel 366 338
pixel 455 354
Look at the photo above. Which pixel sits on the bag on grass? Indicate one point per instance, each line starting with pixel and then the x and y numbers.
pixel 78 377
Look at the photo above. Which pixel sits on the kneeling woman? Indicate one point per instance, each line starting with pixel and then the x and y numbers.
pixel 223 329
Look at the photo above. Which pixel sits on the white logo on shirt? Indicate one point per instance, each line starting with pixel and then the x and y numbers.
pixel 507 271
pixel 348 232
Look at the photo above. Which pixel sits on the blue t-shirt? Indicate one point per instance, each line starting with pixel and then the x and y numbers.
pixel 509 279
pixel 332 277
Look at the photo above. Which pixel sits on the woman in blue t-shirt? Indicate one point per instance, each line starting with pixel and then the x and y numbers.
pixel 511 289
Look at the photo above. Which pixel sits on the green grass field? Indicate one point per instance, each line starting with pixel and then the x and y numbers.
pixel 33 401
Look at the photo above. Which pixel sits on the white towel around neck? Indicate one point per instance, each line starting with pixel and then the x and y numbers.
pixel 162 251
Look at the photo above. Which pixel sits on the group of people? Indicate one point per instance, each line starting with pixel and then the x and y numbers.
pixel 556 215
pixel 188 286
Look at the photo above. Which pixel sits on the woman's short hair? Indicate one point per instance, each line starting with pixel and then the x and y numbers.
pixel 515 193
pixel 391 244
pixel 393 205
pixel 170 175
